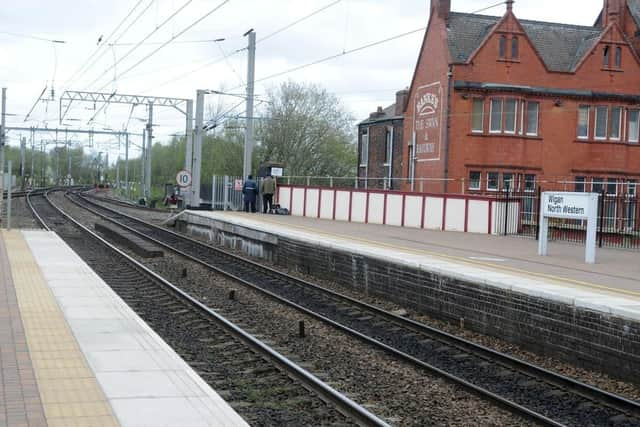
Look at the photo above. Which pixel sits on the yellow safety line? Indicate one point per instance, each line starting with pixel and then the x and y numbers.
pixel 460 259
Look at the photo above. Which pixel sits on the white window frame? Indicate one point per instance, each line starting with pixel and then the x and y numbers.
pixel 479 186
pixel 632 187
pixel 473 115
pixel 523 104
pixel 388 146
pixel 619 123
pixel 364 147
pixel 588 108
pixel 634 139
pixel 537 118
pixel 515 116
pixel 497 181
pixel 525 183
pixel 512 181
pixel 606 123
pixel 583 181
pixel 491 114
pixel 606 185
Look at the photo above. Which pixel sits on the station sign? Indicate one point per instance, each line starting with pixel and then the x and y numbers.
pixel 569 205
pixel 276 171
pixel 183 178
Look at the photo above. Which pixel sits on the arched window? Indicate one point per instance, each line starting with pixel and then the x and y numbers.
pixel 514 48
pixel 502 48
pixel 618 57
pixel 605 59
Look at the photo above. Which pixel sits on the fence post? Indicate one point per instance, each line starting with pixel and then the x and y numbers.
pixel 308 181
pixel 213 193
pixel 602 195
pixel 331 181
pixel 506 213
pixel 537 211
pixel 225 193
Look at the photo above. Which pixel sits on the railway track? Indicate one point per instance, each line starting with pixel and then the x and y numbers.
pixel 263 386
pixel 523 388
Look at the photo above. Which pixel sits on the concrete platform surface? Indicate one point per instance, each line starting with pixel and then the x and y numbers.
pixel 74 354
pixel 611 285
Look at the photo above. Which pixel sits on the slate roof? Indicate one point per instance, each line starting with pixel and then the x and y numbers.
pixel 561 46
pixel 634 7
pixel 388 113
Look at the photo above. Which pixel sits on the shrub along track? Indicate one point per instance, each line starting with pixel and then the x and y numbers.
pixel 264 387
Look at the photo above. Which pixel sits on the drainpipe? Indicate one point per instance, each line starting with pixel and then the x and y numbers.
pixel 390 157
pixel 446 129
pixel 412 161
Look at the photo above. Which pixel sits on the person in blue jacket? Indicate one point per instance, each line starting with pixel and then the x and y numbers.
pixel 250 193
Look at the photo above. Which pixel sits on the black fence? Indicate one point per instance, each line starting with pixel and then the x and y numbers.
pixel 517 213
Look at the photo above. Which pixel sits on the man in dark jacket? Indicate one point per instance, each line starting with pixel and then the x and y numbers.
pixel 250 193
pixel 267 189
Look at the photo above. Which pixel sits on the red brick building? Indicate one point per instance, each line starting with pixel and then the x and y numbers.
pixel 500 101
pixel 380 146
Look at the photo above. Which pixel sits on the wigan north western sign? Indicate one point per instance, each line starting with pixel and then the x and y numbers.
pixel 427 121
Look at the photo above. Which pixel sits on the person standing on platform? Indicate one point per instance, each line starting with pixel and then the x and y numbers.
pixel 267 189
pixel 250 193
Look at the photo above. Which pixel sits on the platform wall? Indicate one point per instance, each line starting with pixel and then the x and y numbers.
pixel 588 338
pixel 461 213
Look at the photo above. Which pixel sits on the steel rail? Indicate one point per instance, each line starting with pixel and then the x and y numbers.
pixel 416 326
pixel 341 402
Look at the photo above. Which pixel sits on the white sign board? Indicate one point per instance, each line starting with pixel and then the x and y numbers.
pixel 183 178
pixel 276 171
pixel 569 205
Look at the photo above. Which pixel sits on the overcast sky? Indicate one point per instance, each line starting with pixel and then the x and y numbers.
pixel 362 80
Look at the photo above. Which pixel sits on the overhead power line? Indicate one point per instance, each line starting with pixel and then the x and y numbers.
pixel 83 68
pixel 346 52
pixel 162 24
pixel 153 52
pixel 29 36
pixel 286 27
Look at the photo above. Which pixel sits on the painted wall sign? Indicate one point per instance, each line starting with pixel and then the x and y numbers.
pixel 427 122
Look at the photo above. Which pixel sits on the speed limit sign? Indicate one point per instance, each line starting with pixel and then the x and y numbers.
pixel 184 178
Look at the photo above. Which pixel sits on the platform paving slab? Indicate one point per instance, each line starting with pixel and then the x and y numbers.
pixel 95 361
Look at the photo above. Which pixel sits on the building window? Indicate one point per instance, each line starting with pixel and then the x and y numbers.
pixel 606 57
pixel 617 60
pixel 474 180
pixel 597 185
pixel 387 146
pixel 364 149
pixel 612 186
pixel 532 118
pixel 514 48
pixel 529 183
pixel 477 115
pixel 616 117
pixel 634 125
pixel 507 181
pixel 600 131
pixel 580 184
pixel 502 47
pixel 510 114
pixel 492 181
pixel 522 108
pixel 583 122
pixel 632 188
pixel 495 119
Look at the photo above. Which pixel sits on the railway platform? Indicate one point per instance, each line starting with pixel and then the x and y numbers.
pixel 72 353
pixel 556 305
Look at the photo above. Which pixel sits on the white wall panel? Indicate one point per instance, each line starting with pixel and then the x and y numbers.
pixel 284 196
pixel 394 209
pixel 297 198
pixel 312 202
pixel 413 212
pixel 433 213
pixel 358 206
pixel 455 215
pixel 326 204
pixel 376 208
pixel 478 217
pixel 342 205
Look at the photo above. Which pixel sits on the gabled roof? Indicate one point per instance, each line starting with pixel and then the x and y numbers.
pixel 634 7
pixel 561 46
pixel 388 113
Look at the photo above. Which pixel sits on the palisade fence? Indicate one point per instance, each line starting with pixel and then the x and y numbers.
pixel 618 219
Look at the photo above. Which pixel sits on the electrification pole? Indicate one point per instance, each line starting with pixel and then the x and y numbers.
pixel 126 163
pixel 248 135
pixel 143 162
pixel 2 136
pixel 23 148
pixel 197 148
pixel 188 159
pixel 149 145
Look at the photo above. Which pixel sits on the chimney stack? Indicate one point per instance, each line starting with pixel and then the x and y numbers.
pixel 510 5
pixel 402 96
pixel 613 11
pixel 441 8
